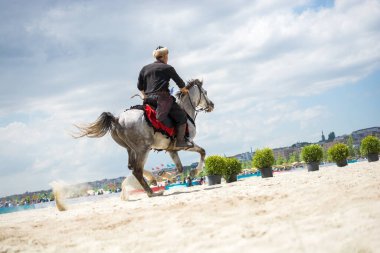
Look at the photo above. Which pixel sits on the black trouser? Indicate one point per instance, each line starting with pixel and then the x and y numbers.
pixel 166 106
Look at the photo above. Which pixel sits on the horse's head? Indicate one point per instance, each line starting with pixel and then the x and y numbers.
pixel 198 96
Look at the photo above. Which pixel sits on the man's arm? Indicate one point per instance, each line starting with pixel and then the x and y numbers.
pixel 140 82
pixel 178 80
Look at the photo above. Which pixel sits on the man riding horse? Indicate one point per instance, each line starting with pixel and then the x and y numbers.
pixel 153 83
pixel 132 131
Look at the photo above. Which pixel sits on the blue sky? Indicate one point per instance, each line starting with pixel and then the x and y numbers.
pixel 278 73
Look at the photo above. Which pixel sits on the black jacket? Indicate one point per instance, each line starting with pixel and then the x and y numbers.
pixel 156 76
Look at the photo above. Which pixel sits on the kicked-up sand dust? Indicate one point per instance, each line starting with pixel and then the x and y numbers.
pixel 60 192
pixel 330 210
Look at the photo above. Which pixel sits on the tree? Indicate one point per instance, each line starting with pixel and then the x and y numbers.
pixel 247 164
pixel 357 151
pixel 51 196
pixel 323 137
pixel 294 157
pixel 331 136
pixel 34 198
pixel 280 160
pixel 350 144
pixel 27 199
pixel 325 155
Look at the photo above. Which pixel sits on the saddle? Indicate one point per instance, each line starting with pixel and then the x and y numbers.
pixel 167 128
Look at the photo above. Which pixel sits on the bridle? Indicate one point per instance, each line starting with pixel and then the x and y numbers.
pixel 201 93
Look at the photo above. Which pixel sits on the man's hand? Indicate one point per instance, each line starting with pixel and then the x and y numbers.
pixel 184 90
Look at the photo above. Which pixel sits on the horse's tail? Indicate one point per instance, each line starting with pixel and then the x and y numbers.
pixel 98 128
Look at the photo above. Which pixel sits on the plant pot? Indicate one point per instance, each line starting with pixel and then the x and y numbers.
pixel 373 157
pixel 231 178
pixel 341 163
pixel 312 166
pixel 214 179
pixel 266 172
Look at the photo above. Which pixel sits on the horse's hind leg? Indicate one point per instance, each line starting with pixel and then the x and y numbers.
pixel 138 173
pixel 138 170
pixel 202 154
pixel 175 157
pixel 123 143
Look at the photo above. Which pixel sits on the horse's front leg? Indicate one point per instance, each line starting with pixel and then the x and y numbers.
pixel 175 157
pixel 150 177
pixel 202 154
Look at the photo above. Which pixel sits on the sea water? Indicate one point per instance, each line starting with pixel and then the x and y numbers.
pixel 12 209
pixel 15 208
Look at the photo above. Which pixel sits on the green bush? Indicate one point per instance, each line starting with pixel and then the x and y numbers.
pixel 263 158
pixel 233 167
pixel 338 152
pixel 214 165
pixel 280 160
pixel 370 145
pixel 312 153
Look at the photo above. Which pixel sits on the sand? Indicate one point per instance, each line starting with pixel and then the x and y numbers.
pixel 330 210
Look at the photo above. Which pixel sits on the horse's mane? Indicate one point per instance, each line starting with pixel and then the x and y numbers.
pixel 189 85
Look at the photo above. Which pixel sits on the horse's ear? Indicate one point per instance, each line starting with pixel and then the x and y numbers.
pixel 199 82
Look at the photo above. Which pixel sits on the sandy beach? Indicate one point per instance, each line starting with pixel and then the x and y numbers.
pixel 330 210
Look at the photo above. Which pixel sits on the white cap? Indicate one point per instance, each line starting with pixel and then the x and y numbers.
pixel 160 51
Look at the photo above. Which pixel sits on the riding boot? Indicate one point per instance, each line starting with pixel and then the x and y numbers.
pixel 181 142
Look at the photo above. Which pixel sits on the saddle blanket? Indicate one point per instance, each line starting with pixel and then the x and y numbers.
pixel 158 126
pixel 150 115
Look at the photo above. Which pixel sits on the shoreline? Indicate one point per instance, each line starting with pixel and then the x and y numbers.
pixel 330 210
pixel 25 207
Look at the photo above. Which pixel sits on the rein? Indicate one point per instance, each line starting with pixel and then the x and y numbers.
pixel 194 107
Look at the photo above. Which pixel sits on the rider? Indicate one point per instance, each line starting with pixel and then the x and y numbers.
pixel 153 83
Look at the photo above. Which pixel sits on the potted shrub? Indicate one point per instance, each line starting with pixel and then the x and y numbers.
pixel 312 155
pixel 264 160
pixel 214 166
pixel 370 147
pixel 231 170
pixel 338 153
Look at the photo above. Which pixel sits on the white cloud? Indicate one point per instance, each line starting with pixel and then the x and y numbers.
pixel 66 64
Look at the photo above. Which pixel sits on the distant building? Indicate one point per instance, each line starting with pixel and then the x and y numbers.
pixel 323 137
pixel 173 169
pixel 243 157
pixel 342 138
pixel 359 135
pixel 327 145
pixel 285 152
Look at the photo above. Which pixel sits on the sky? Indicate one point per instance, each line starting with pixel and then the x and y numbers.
pixel 278 72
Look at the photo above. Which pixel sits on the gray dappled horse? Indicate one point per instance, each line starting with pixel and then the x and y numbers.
pixel 131 131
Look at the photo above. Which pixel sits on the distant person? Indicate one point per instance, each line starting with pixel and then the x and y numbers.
pixel 189 182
